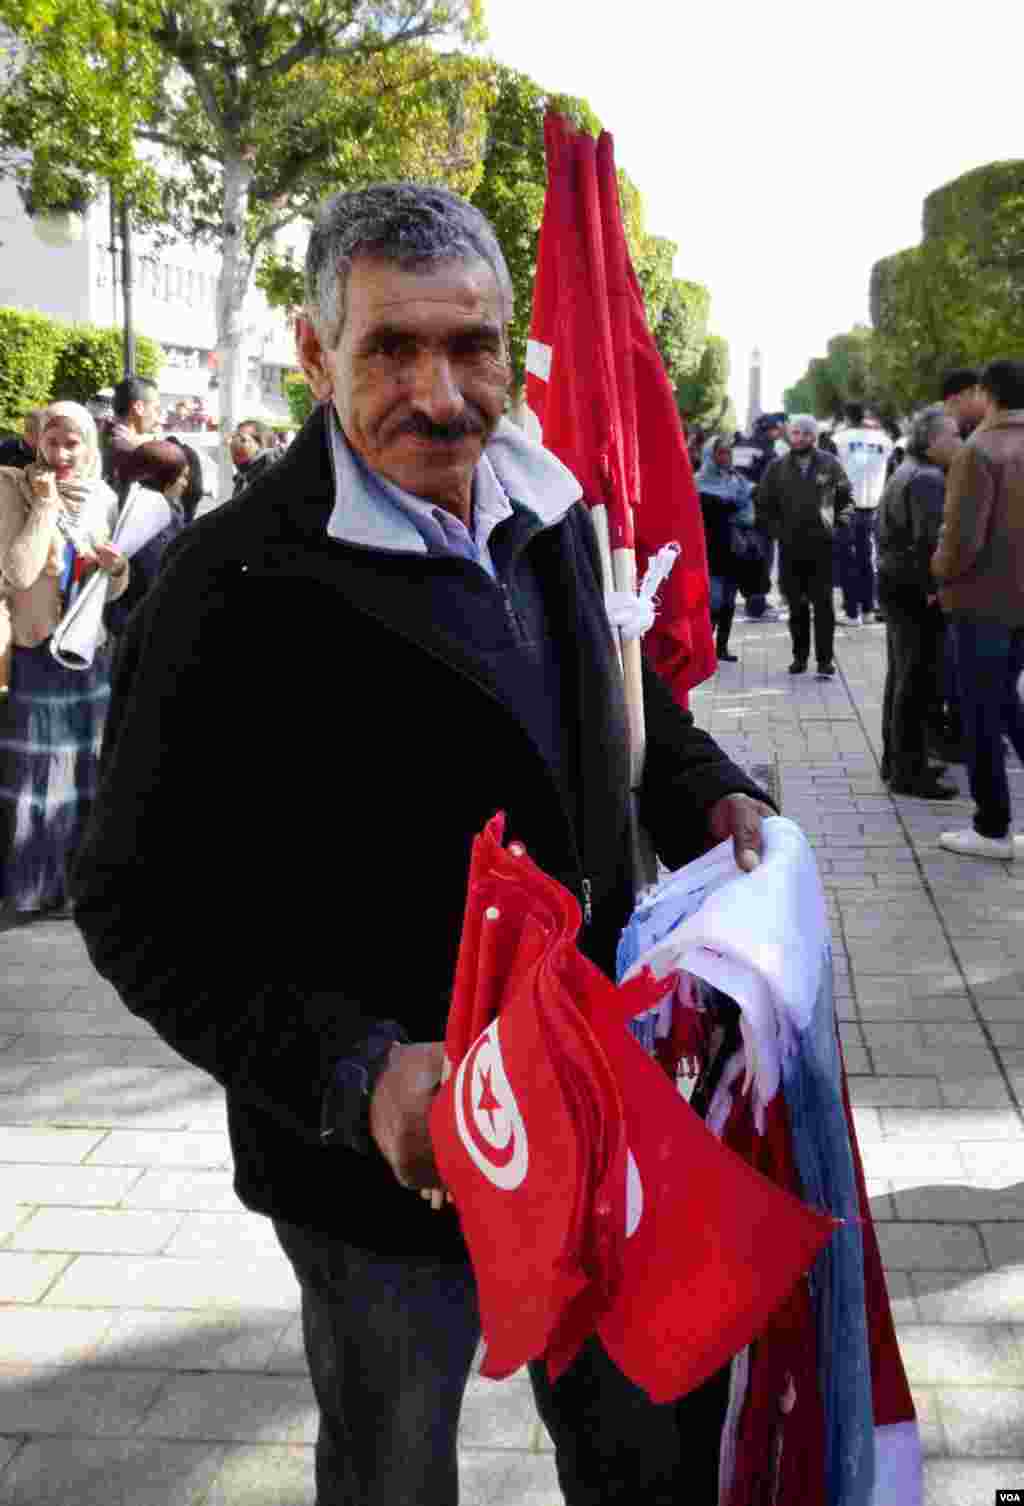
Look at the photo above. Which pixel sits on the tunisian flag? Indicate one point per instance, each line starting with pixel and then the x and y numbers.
pixel 591 1196
pixel 598 388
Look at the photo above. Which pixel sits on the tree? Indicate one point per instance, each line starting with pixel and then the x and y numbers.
pixel 256 108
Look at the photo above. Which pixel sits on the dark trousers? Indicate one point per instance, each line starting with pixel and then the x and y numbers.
pixel 614 1447
pixel 856 561
pixel 758 603
pixel 990 660
pixel 390 1344
pixel 807 584
pixel 915 643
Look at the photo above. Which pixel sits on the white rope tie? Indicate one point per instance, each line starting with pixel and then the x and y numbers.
pixel 634 615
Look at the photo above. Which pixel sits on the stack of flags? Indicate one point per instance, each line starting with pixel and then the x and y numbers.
pixel 592 1198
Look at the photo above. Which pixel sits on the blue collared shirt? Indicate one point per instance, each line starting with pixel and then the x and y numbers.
pixel 439 531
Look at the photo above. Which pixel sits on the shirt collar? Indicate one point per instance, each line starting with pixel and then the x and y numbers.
pixel 374 513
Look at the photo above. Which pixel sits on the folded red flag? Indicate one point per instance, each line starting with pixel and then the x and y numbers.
pixel 590 1195
pixel 713 1247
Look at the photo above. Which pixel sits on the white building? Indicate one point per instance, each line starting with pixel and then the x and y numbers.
pixel 174 301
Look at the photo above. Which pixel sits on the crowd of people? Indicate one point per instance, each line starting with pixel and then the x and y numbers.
pixel 924 533
pixel 63 484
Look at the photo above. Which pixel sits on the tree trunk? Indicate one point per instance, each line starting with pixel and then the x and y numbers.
pixel 232 287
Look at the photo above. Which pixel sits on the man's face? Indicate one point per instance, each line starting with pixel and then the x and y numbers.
pixel 801 440
pixel 968 407
pixel 723 457
pixel 419 374
pixel 774 433
pixel 146 413
pixel 945 443
pixel 245 446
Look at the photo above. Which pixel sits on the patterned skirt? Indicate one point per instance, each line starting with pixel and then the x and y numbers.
pixel 51 728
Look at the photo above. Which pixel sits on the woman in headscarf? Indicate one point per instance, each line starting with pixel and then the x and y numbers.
pixel 172 468
pixel 55 523
pixel 728 509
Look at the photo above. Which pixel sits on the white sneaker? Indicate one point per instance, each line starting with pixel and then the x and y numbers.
pixel 971 844
pixel 1018 846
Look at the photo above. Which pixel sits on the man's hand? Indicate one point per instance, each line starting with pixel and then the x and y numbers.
pixel 739 817
pixel 399 1111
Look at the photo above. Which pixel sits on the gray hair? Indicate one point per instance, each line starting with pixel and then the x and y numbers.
pixel 414 224
pixel 923 428
pixel 806 423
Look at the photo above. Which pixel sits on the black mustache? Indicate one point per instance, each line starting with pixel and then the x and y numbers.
pixel 425 428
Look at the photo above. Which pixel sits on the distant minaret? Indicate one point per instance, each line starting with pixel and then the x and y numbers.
pixel 754 409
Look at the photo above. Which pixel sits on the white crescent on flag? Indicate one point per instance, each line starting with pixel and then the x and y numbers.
pixel 487 1116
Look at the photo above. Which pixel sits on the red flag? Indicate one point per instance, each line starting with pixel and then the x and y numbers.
pixel 597 385
pixel 712 1247
pixel 590 1195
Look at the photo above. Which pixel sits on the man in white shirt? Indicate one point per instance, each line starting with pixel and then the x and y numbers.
pixel 863 448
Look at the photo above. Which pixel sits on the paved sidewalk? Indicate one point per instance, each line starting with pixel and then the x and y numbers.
pixel 149 1348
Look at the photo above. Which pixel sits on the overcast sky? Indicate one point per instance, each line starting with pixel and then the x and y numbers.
pixel 784 149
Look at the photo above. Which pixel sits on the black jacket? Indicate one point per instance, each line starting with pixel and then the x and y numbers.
pixel 802 509
pixel 909 520
pixel 309 879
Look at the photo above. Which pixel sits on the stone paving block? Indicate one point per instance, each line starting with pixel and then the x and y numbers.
pixel 212 1191
pixel 159 1281
pixel 990 1164
pixel 228 1340
pixel 951 1124
pixel 159 1148
pixel 958 1297
pixel 1006 1011
pixel 498 1414
pixel 894 1092
pixel 86 1186
pixel 955 1203
pixel 55 1146
pixel 266 1475
pixel 504 1478
pixel 75 1022
pixel 238 1408
pixel 929 1424
pixel 25 1277
pixel 976 1093
pixel 901 1297
pixel 1007 1032
pixel 14 1077
pixel 109 1472
pixel 982 1421
pixel 145 1097
pixel 973 1482
pixel 1004 1242
pixel 931 1247
pixel 289 1354
pixel 44 1336
pixel 971 1354
pixel 103 1403
pixel 935 1162
pixel 96 1230
pixel 223 1235
pixel 856 1059
pixel 31 994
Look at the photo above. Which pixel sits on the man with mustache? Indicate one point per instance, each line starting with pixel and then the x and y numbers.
pixel 431 585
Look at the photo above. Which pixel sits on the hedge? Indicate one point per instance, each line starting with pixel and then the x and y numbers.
pixel 42 359
pixel 29 346
pixel 92 358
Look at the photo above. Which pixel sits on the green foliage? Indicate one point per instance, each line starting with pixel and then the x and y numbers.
pixel 300 398
pixel 29 347
pixel 703 396
pixel 43 359
pixel 91 358
pixel 845 374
